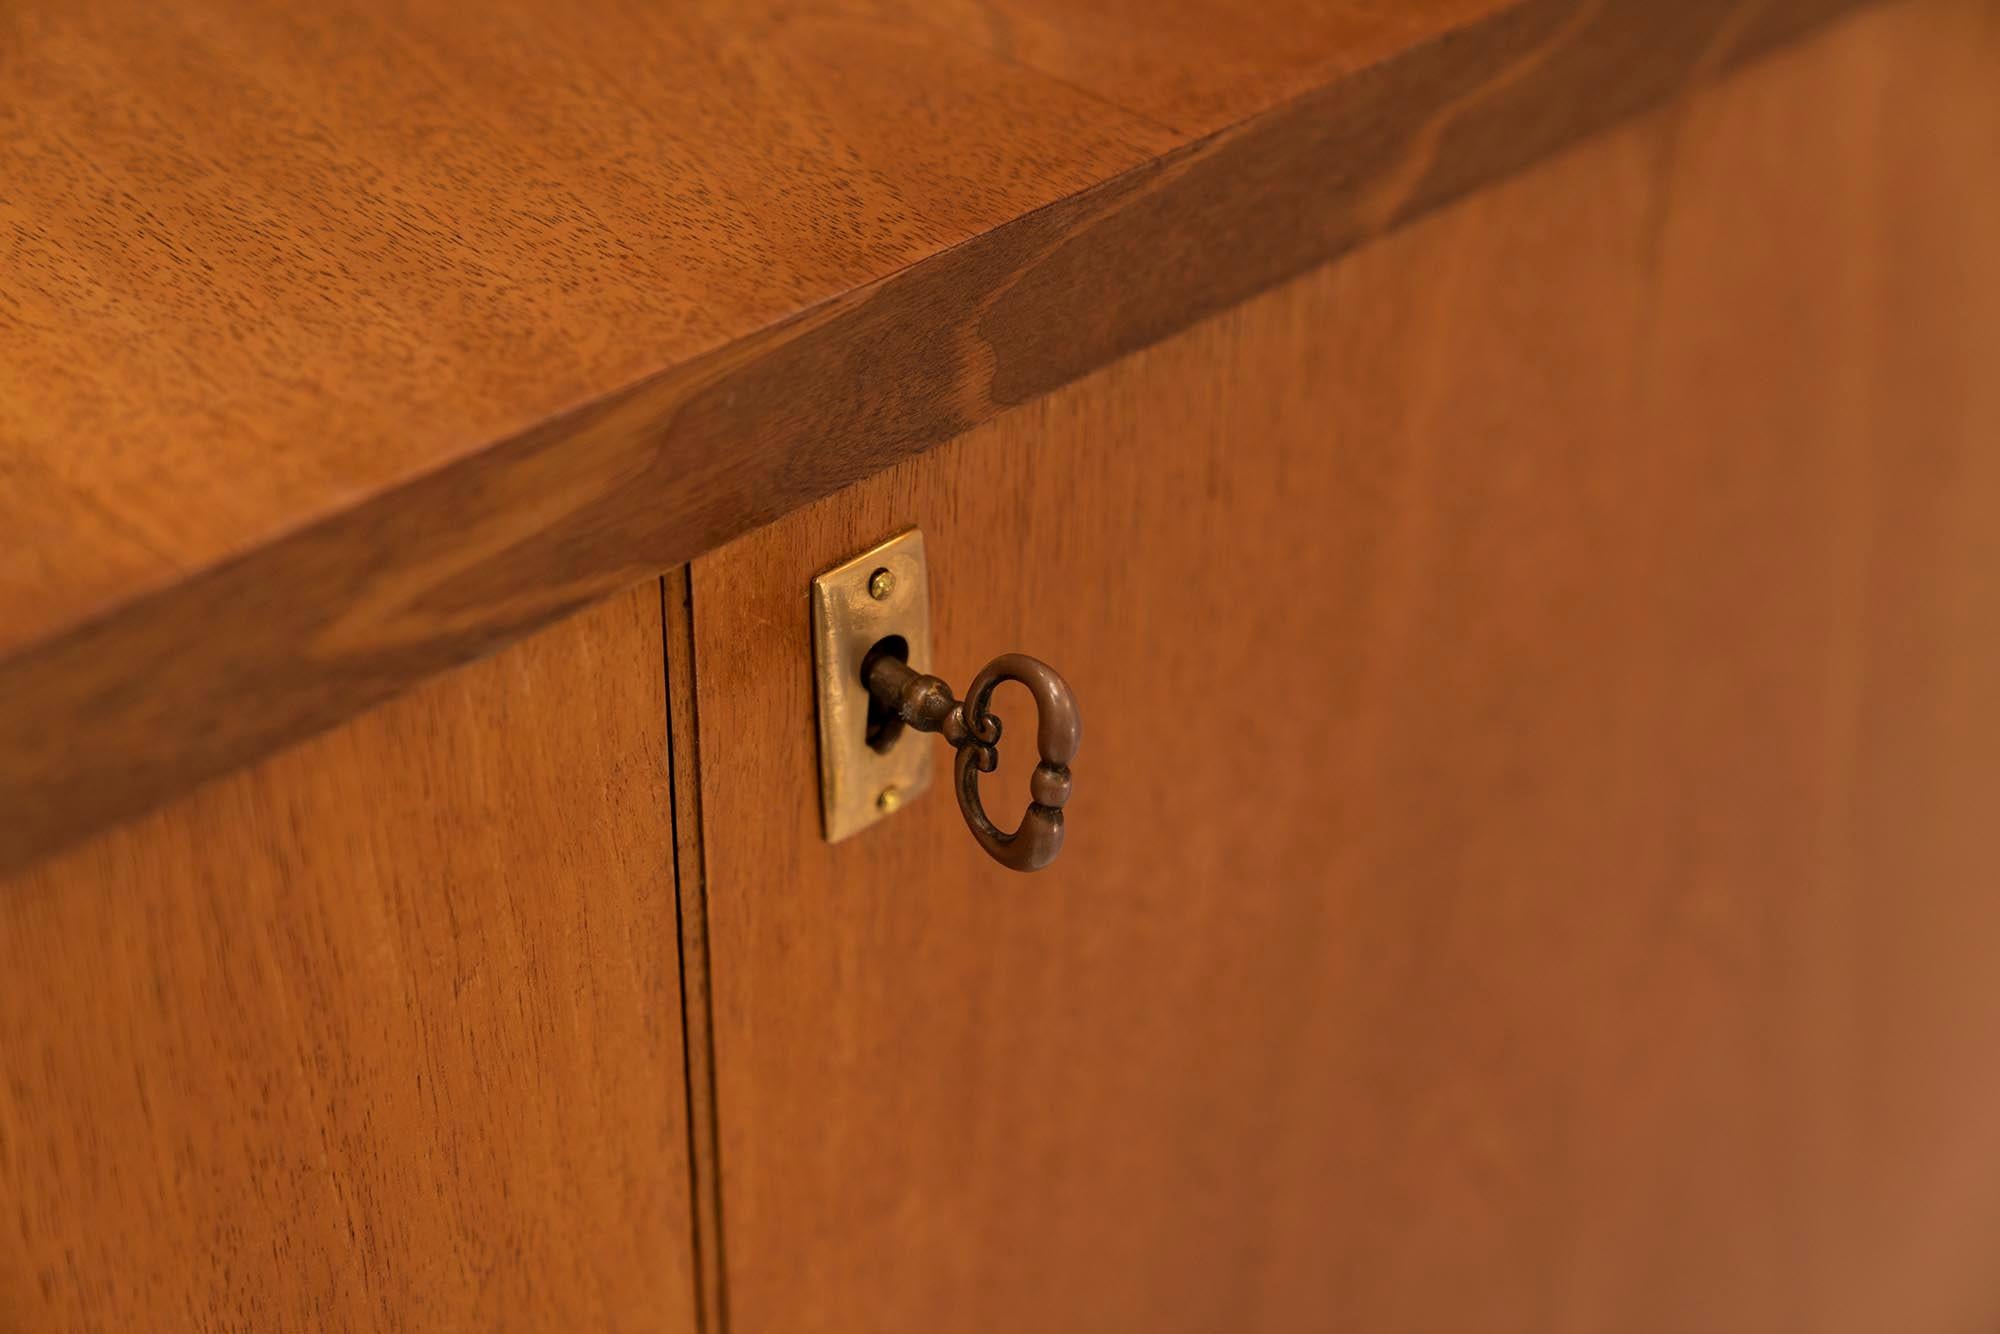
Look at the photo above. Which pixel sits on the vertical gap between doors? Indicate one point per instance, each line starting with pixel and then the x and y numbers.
pixel 691 912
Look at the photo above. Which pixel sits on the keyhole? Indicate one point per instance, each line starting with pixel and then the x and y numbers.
pixel 885 729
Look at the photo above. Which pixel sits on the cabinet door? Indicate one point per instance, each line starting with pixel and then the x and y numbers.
pixel 382 1033
pixel 1531 858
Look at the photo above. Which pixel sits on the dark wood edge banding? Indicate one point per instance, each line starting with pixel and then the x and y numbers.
pixel 199 678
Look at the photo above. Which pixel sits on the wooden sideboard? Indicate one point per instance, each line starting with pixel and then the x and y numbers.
pixel 1514 486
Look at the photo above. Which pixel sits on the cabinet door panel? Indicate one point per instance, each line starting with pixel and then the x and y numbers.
pixel 1530 864
pixel 380 1033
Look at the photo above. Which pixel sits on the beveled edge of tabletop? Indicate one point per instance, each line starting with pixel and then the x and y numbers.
pixel 109 719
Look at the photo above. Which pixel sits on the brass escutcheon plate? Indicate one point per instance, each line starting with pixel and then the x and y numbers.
pixel 859 784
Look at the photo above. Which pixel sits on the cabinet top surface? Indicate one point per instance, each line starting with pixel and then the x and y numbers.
pixel 264 262
pixel 343 342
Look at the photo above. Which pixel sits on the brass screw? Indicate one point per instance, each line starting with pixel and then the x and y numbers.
pixel 890 801
pixel 881 584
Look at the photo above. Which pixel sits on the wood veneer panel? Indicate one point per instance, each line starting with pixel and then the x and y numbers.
pixel 1585 922
pixel 339 346
pixel 382 1033
pixel 269 261
pixel 1199 65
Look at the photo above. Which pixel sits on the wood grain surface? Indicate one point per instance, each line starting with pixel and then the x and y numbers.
pixel 1531 863
pixel 344 344
pixel 379 1034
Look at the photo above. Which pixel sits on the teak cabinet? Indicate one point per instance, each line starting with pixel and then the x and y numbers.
pixel 1531 864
